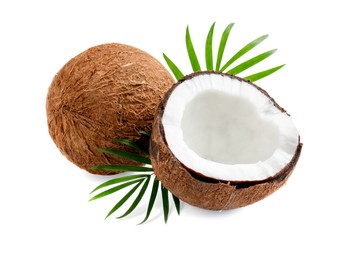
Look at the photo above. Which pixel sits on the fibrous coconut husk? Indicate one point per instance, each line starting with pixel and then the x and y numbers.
pixel 108 91
pixel 207 193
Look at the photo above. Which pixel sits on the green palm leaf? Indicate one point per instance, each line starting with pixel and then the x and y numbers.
pixel 244 50
pixel 127 155
pixel 174 69
pixel 222 44
pixel 262 74
pixel 124 199
pixel 208 49
pixel 118 180
pixel 132 144
pixel 152 199
pixel 137 200
pixel 177 204
pixel 148 134
pixel 114 189
pixel 121 168
pixel 251 62
pixel 191 52
pixel 137 180
pixel 165 198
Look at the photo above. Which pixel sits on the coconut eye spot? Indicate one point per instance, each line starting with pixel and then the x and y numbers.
pixel 227 129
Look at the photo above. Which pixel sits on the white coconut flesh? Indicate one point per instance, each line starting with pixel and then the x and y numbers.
pixel 226 129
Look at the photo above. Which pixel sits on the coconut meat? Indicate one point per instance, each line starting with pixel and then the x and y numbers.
pixel 226 129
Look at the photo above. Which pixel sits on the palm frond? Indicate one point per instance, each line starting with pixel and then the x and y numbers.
pixel 251 62
pixel 124 199
pixel 222 44
pixel 208 49
pixel 263 74
pixel 135 180
pixel 127 155
pixel 174 69
pixel 165 198
pixel 243 51
pixel 191 52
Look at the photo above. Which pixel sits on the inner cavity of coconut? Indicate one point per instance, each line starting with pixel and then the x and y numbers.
pixel 227 129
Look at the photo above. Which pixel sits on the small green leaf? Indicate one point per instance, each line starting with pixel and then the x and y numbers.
pixel 177 203
pixel 222 44
pixel 148 134
pixel 114 189
pixel 191 52
pixel 152 199
pixel 118 180
pixel 251 62
pixel 137 200
pixel 174 69
pixel 208 49
pixel 263 74
pixel 165 198
pixel 244 50
pixel 132 144
pixel 121 168
pixel 127 155
pixel 124 199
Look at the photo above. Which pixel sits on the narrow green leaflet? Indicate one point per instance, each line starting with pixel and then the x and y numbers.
pixel 132 144
pixel 114 189
pixel 222 44
pixel 174 69
pixel 191 52
pixel 124 199
pixel 127 155
pixel 208 49
pixel 251 62
pixel 121 168
pixel 152 199
pixel 244 50
pixel 118 180
pixel 165 198
pixel 148 134
pixel 263 74
pixel 137 200
pixel 177 203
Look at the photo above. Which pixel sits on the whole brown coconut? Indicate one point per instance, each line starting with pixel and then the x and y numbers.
pixel 197 190
pixel 108 91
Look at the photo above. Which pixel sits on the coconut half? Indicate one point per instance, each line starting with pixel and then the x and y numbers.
pixel 221 142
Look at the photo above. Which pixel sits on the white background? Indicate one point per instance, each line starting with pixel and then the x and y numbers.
pixel 45 213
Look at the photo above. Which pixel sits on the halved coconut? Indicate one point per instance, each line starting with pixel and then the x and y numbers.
pixel 221 142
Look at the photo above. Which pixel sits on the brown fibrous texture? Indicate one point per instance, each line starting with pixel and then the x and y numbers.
pixel 205 193
pixel 107 92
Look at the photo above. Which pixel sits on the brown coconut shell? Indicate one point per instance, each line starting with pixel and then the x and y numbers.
pixel 196 190
pixel 106 92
